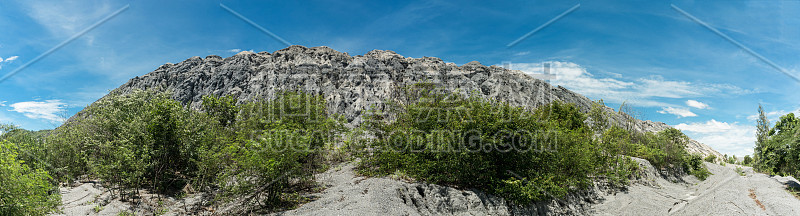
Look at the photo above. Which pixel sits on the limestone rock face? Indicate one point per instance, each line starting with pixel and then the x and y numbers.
pixel 353 84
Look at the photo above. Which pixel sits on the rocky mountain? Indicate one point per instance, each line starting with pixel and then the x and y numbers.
pixel 353 84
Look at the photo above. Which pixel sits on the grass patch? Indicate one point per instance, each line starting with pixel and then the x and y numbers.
pixel 740 171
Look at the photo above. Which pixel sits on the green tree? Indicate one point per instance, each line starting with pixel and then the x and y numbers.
pixel 598 116
pixel 223 109
pixel 25 190
pixel 142 139
pixel 278 144
pixel 762 137
pixel 747 161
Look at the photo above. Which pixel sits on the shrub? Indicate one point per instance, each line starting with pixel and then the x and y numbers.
pixel 747 161
pixel 710 158
pixel 144 139
pixel 141 139
pixel 25 190
pixel 696 167
pixel 466 142
pixel 731 159
pixel 277 142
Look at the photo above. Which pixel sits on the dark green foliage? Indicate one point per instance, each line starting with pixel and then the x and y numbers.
pixel 665 150
pixel 747 161
pixel 466 142
pixel 145 140
pixel 223 109
pixel 138 140
pixel 779 152
pixel 24 190
pixel 277 142
pixel 696 167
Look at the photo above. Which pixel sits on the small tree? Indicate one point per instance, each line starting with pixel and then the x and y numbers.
pixel 747 160
pixel 762 136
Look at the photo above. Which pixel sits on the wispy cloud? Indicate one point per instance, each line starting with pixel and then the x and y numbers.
pixel 696 104
pixel 67 18
pixel 522 53
pixel 773 115
pixel 644 91
pixel 3 103
pixel 7 60
pixel 680 112
pixel 729 138
pixel 48 110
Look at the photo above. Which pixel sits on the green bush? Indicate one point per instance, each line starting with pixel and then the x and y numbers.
pixel 138 140
pixel 696 167
pixel 144 139
pixel 24 190
pixel 521 155
pixel 747 161
pixel 277 142
pixel 710 158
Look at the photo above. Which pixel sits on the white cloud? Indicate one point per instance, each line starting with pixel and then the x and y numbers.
pixel 68 18
pixel 773 115
pixel 680 112
pixel 644 91
pixel 696 104
pixel 48 110
pixel 522 53
pixel 711 126
pixel 3 103
pixel 235 50
pixel 12 58
pixel 727 138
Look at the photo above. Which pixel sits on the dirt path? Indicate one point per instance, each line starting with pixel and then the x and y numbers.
pixel 726 192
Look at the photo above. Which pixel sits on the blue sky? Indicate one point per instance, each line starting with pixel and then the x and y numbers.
pixel 670 68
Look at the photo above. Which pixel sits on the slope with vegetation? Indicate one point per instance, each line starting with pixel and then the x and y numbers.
pixel 476 128
pixel 521 155
pixel 263 154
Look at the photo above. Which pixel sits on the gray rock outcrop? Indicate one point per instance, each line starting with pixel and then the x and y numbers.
pixel 353 84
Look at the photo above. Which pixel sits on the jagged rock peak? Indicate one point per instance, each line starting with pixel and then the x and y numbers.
pixel 353 84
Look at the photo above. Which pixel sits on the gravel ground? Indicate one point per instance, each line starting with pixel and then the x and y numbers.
pixel 93 199
pixel 726 192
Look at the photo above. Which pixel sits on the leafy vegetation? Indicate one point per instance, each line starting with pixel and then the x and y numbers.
pixel 275 142
pixel 521 155
pixel 263 153
pixel 740 171
pixel 777 148
pixel 25 190
pixel 747 161
pixel 710 158
pixel 133 141
pixel 262 149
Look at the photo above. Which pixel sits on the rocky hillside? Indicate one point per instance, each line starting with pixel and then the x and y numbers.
pixel 352 84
